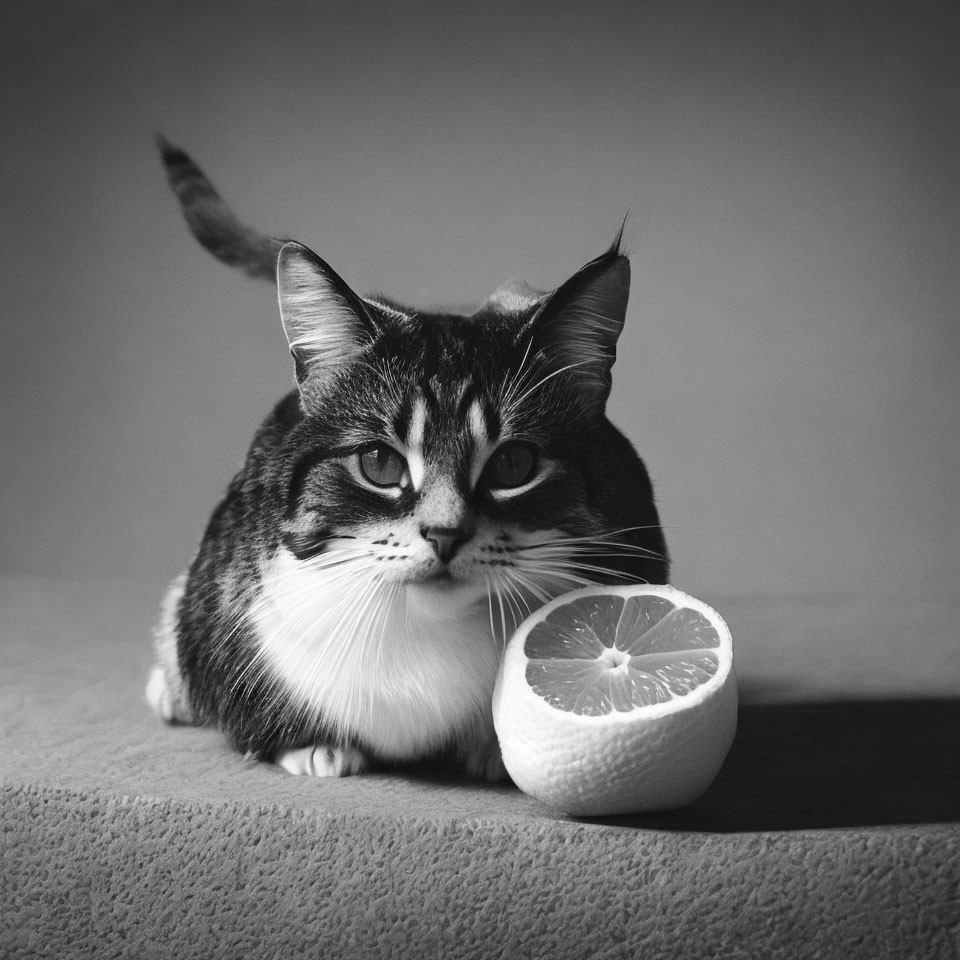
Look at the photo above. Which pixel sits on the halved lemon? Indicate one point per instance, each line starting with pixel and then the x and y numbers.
pixel 617 699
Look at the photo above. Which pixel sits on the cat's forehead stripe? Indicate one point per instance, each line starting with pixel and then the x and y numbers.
pixel 482 438
pixel 429 396
pixel 440 391
pixel 467 394
pixel 478 423
pixel 415 435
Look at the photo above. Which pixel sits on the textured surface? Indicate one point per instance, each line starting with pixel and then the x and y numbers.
pixel 833 829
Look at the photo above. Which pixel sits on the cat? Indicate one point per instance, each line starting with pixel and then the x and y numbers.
pixel 430 480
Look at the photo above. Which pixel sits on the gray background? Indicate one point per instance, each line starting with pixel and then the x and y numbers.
pixel 790 366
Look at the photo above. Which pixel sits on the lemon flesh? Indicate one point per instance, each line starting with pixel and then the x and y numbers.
pixel 617 700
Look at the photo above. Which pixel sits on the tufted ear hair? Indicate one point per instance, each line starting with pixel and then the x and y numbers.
pixel 325 322
pixel 576 330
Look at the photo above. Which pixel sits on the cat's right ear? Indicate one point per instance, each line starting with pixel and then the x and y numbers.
pixel 576 329
pixel 326 323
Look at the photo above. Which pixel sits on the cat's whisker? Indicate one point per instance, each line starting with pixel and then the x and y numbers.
pixel 514 605
pixel 508 615
pixel 526 586
pixel 568 571
pixel 606 572
pixel 491 588
pixel 497 586
pixel 603 538
pixel 519 584
pixel 558 576
pixel 612 533
pixel 593 545
pixel 554 373
pixel 612 550
pixel 503 599
pixel 514 383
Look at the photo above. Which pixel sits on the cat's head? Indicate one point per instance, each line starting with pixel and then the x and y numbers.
pixel 463 457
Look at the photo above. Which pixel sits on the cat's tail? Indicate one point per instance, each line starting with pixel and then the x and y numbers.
pixel 212 222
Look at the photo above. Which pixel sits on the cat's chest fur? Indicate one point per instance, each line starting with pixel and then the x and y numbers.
pixel 401 668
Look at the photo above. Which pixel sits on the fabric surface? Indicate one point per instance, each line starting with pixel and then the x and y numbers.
pixel 833 829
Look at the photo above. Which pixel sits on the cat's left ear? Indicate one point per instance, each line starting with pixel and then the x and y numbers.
pixel 326 323
pixel 577 328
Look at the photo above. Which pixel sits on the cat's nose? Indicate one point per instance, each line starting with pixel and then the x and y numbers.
pixel 446 540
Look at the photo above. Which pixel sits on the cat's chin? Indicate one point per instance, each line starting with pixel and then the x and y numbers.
pixel 442 593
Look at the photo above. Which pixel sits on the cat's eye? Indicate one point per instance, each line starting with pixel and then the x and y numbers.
pixel 512 465
pixel 382 465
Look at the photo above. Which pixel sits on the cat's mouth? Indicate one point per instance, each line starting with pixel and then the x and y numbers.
pixel 442 583
pixel 440 578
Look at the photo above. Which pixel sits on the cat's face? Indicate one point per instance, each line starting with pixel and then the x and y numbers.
pixel 455 459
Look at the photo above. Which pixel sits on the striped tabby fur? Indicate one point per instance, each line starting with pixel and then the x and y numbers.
pixel 431 479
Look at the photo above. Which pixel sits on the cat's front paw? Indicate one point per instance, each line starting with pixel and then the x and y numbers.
pixel 168 700
pixel 322 760
pixel 484 762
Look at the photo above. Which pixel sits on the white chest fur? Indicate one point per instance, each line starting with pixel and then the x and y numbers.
pixel 405 668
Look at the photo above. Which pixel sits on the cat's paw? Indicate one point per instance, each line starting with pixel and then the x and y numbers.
pixel 168 701
pixel 322 761
pixel 484 762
